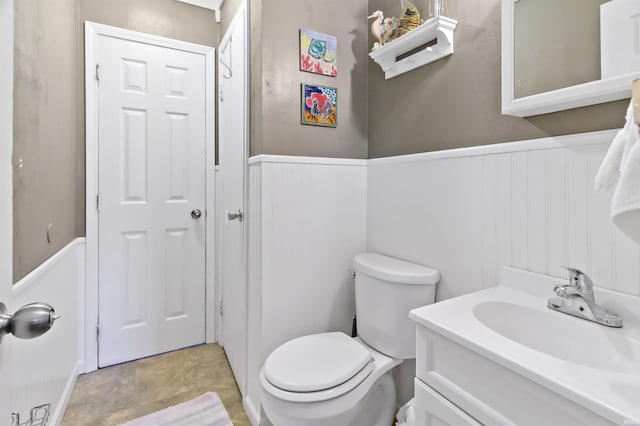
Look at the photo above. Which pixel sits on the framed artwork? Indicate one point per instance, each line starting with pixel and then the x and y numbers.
pixel 319 105
pixel 318 53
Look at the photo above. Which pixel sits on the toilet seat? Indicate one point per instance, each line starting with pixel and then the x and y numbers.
pixel 316 367
pixel 318 396
pixel 340 405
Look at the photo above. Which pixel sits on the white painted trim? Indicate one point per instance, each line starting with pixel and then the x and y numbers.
pixel 508 91
pixel 557 142
pixel 92 32
pixel 554 142
pixel 591 93
pixel 252 412
pixel 306 160
pixel 91 190
pixel 217 260
pixel 45 266
pixel 244 7
pixel 61 407
pixel 109 31
pixel 211 311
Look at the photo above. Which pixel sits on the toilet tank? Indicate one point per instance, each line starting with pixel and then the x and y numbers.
pixel 386 290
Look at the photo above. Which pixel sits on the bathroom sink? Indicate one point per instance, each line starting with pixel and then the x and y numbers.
pixel 561 336
pixel 591 365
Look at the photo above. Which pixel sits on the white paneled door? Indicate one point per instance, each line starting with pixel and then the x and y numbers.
pixel 232 81
pixel 151 199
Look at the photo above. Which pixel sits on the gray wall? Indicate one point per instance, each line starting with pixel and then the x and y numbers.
pixel 49 184
pixel 455 102
pixel 226 15
pixel 276 75
pixel 168 18
pixel 46 187
pixel 452 103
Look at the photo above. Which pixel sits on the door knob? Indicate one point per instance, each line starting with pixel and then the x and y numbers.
pixel 235 215
pixel 196 214
pixel 30 321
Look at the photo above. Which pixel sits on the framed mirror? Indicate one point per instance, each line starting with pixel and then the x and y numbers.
pixel 563 54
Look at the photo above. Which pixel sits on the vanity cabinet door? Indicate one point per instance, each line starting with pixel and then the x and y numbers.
pixel 432 409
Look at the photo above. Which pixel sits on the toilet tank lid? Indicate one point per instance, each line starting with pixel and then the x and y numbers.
pixel 395 270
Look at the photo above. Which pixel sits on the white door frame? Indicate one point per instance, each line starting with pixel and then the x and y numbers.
pixel 92 32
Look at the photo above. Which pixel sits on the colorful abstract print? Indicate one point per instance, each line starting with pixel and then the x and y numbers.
pixel 318 53
pixel 319 105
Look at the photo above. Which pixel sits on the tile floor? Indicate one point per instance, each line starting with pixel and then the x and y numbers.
pixel 123 392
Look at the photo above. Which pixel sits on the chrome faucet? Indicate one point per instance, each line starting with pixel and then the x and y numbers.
pixel 577 299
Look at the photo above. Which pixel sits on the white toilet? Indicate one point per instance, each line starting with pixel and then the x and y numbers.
pixel 331 379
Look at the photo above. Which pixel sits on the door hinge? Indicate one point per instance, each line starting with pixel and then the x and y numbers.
pixel 221 309
pixel 98 202
pixel 98 72
pixel 97 333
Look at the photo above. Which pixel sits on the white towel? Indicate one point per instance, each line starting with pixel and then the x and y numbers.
pixel 619 178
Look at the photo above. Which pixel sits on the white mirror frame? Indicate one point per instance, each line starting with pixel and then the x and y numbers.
pixel 591 93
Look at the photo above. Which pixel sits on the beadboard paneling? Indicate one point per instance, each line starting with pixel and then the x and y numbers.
pixel 529 205
pixel 44 370
pixel 307 221
pixel 312 226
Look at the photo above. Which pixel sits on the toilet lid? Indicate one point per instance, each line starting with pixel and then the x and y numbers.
pixel 315 362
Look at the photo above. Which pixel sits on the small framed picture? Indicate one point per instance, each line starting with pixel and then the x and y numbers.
pixel 318 53
pixel 319 105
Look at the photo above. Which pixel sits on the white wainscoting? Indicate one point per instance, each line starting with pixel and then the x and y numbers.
pixel 251 401
pixel 307 221
pixel 44 370
pixel 529 205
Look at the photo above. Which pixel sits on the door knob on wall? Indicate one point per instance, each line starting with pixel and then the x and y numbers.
pixel 196 214
pixel 30 321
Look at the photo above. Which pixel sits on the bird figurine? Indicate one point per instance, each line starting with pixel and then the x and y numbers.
pixel 390 26
pixel 381 28
pixel 410 19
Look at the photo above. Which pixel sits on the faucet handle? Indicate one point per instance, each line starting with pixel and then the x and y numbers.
pixel 565 291
pixel 561 290
pixel 580 281
pixel 572 270
pixel 574 275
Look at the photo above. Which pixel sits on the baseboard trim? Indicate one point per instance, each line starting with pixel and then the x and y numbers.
pixel 252 412
pixel 61 406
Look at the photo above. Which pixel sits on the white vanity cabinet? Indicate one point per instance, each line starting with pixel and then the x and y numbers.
pixel 455 386
pixel 433 409
pixel 501 357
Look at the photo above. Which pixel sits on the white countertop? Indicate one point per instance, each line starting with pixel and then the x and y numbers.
pixel 603 377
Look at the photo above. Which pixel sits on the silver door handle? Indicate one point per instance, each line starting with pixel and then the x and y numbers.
pixel 30 321
pixel 235 215
pixel 196 214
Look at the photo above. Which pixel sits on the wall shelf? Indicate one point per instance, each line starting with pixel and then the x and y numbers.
pixel 436 35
